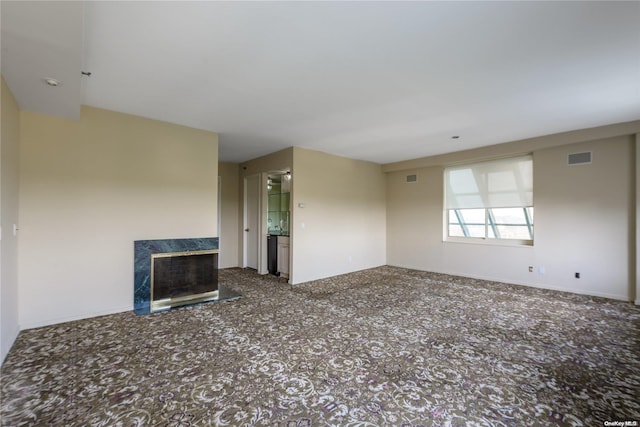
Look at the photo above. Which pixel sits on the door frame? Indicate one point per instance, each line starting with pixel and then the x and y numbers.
pixel 262 204
pixel 245 221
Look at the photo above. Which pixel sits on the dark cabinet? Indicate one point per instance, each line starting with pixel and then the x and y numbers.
pixel 272 254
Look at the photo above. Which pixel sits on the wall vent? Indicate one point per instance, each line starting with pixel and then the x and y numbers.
pixel 579 158
pixel 412 178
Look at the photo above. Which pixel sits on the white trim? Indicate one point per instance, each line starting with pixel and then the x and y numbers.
pixel 544 286
pixel 531 285
pixel 517 243
pixel 49 322
pixel 10 342
pixel 245 214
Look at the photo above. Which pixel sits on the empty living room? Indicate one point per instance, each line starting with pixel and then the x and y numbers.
pixel 335 213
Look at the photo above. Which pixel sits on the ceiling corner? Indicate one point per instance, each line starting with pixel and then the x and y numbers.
pixel 41 40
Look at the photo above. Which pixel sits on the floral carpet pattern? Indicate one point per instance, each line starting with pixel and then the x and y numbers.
pixel 381 347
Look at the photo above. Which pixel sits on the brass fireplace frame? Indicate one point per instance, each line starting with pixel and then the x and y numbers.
pixel 168 303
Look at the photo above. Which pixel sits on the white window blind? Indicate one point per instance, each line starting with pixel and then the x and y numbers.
pixel 500 183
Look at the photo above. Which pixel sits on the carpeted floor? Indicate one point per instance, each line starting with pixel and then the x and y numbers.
pixel 381 347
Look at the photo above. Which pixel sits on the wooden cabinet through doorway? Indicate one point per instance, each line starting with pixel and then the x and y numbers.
pixel 283 256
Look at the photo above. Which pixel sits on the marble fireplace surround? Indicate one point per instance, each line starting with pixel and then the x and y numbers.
pixel 143 249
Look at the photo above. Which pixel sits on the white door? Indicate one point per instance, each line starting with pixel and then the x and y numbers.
pixel 251 220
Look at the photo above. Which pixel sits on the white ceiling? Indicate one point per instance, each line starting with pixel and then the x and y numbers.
pixel 378 81
pixel 43 40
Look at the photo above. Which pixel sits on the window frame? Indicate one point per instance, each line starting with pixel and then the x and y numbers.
pixel 490 225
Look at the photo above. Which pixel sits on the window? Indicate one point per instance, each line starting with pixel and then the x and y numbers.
pixel 490 200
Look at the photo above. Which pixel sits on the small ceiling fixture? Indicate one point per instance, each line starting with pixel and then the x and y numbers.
pixel 455 137
pixel 52 82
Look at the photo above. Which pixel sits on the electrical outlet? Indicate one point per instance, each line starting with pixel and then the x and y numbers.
pixel 531 269
pixel 577 275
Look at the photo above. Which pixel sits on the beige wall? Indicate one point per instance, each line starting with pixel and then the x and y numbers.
pixel 9 183
pixel 584 222
pixel 342 226
pixel 229 214
pixel 88 189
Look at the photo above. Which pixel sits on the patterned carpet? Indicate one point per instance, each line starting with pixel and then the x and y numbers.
pixel 381 347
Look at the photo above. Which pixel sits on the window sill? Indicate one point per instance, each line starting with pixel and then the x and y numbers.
pixel 490 242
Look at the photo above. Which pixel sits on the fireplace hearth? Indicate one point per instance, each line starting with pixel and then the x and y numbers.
pixel 171 273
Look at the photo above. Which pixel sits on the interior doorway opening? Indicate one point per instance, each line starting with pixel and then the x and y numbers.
pixel 267 220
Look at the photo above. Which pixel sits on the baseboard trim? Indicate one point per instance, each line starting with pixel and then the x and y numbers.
pixel 531 285
pixel 10 343
pixel 49 322
pixel 549 287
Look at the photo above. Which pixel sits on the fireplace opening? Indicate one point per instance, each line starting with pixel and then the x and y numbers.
pixel 182 278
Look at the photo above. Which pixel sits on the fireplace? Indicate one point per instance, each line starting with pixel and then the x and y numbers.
pixel 171 273
pixel 180 278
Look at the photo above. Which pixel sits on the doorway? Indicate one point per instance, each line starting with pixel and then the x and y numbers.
pixel 251 222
